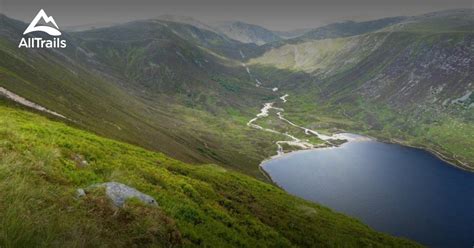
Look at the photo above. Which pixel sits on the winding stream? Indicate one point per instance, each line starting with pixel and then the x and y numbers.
pixel 293 141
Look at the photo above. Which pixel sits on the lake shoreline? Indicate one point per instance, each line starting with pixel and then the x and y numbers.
pixel 446 158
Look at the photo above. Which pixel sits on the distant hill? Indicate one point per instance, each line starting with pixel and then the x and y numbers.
pixel 247 33
pixel 292 33
pixel 186 20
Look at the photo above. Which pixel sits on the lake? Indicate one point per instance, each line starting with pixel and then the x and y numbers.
pixel 402 191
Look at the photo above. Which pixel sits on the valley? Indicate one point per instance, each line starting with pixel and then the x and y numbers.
pixel 210 91
pixel 186 112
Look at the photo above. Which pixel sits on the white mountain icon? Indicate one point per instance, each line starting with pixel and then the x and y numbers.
pixel 47 19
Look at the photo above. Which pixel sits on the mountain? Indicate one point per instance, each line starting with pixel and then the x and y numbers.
pixel 162 92
pixel 331 31
pixel 173 75
pixel 247 33
pixel 407 59
pixel 410 82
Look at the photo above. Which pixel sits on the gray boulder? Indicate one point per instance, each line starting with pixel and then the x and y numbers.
pixel 80 193
pixel 119 193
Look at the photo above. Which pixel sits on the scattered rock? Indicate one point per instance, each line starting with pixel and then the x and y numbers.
pixel 80 193
pixel 119 193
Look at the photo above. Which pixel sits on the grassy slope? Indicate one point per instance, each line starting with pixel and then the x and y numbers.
pixel 199 129
pixel 227 138
pixel 199 205
pixel 92 102
pixel 189 107
pixel 327 56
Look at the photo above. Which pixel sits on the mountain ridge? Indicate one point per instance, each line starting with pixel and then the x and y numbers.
pixel 247 33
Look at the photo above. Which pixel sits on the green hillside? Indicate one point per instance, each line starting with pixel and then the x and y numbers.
pixel 142 92
pixel 204 205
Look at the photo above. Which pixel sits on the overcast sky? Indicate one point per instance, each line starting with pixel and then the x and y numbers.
pixel 272 14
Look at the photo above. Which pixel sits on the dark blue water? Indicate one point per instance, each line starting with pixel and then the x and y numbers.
pixel 394 189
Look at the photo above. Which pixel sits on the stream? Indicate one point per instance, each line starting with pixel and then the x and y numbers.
pixel 292 140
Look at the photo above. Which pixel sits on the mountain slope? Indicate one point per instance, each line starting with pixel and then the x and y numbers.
pixel 197 205
pixel 349 28
pixel 54 80
pixel 326 34
pixel 325 57
pixel 164 93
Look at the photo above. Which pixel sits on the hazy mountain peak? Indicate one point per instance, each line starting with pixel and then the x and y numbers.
pixel 247 33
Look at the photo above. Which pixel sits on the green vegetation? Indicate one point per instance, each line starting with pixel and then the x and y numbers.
pixel 446 135
pixel 165 105
pixel 227 137
pixel 204 205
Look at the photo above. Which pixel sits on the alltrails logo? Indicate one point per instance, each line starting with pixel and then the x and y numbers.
pixel 38 42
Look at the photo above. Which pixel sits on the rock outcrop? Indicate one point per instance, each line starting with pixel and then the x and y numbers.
pixel 119 193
